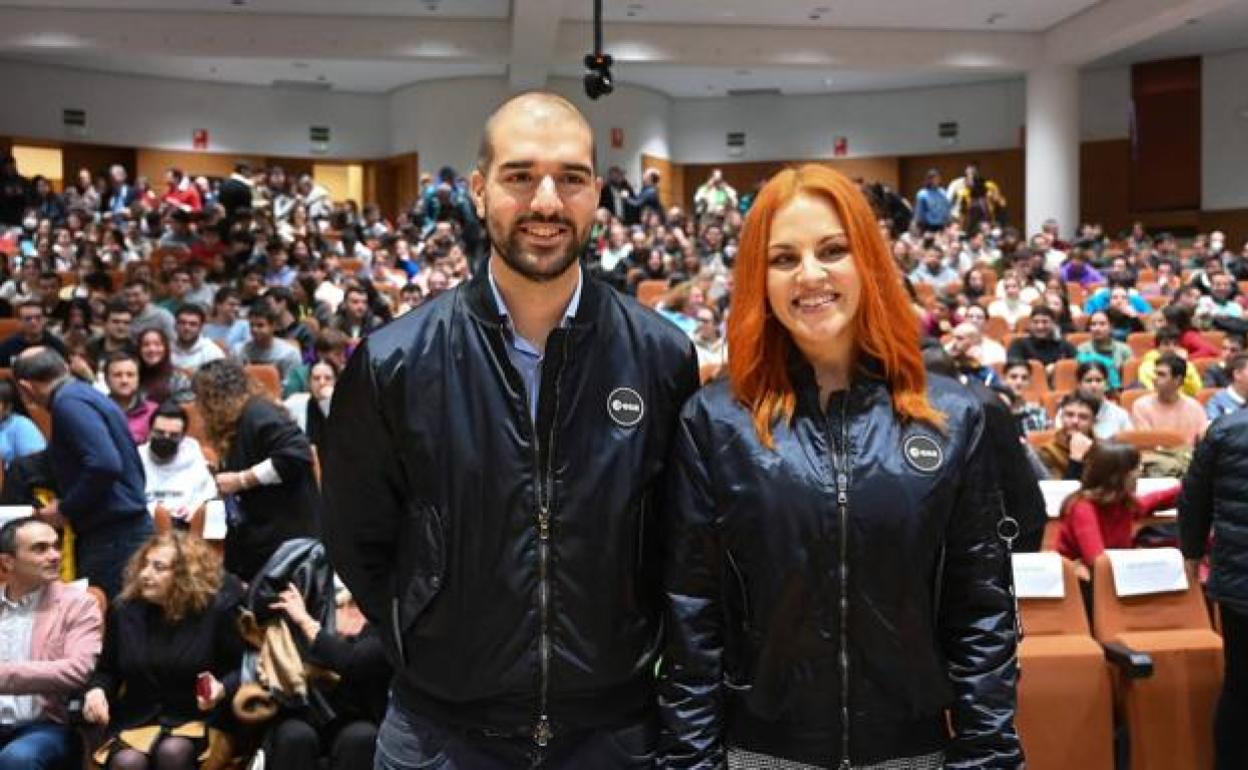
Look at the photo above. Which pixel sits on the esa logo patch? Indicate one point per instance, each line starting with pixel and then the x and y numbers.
pixel 625 407
pixel 923 453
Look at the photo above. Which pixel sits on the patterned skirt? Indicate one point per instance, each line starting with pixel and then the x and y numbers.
pixel 739 759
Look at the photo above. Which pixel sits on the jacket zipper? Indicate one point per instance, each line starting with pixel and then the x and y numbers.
pixel 840 465
pixel 543 733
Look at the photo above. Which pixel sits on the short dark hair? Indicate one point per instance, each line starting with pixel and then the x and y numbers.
pixel 1166 335
pixel 171 410
pixel 1088 365
pixel 1075 397
pixel 40 364
pixel 224 293
pixel 1234 364
pixel 117 306
pixel 143 282
pixel 1044 310
pixel 263 309
pixel 117 356
pixel 8 533
pixel 1015 363
pixel 1176 364
pixel 192 308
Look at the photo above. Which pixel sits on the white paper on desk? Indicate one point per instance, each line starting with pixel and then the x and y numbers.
pixel 1148 486
pixel 1038 575
pixel 1055 491
pixel 10 512
pixel 215 526
pixel 1145 571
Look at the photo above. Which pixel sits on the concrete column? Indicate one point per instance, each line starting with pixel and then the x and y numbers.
pixel 1052 149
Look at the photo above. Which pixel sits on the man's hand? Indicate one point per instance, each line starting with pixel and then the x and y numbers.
pixel 230 483
pixel 1079 446
pixel 95 707
pixel 50 514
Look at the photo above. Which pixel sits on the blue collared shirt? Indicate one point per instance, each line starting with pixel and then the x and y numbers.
pixel 524 355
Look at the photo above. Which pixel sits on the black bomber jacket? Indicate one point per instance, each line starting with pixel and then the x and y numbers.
pixel 508 562
pixel 836 620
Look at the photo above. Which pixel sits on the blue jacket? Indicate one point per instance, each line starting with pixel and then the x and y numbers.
pixel 932 206
pixel 95 463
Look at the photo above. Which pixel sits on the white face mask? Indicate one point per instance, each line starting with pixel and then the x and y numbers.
pixel 30 223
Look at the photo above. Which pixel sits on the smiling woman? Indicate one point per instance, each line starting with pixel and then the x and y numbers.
pixel 831 539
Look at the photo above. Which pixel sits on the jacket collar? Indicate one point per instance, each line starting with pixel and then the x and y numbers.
pixel 478 298
pixel 867 382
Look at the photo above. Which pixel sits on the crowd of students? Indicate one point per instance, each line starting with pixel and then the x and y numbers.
pixel 159 299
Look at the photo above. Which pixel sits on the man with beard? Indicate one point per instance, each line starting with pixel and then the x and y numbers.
pixel 490 470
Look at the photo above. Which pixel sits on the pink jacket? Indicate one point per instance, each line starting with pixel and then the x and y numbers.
pixel 65 643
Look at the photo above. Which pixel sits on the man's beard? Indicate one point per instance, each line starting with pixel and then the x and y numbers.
pixel 545 269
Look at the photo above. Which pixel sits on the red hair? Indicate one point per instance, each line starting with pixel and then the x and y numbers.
pixel 882 327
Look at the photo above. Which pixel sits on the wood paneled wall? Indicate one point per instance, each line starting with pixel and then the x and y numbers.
pixel 744 176
pixel 1104 168
pixel 96 158
pixel 671 179
pixel 154 163
pixel 1165 169
pixel 392 183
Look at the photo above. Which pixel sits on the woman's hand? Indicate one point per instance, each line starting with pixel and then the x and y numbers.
pixel 216 691
pixel 290 601
pixel 95 707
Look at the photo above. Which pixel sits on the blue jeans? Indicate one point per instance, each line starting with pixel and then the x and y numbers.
pixel 35 746
pixel 409 741
pixel 101 555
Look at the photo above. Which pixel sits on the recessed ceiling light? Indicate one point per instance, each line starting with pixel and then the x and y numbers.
pixel 238 2
pixel 822 9
pixel 993 18
pixel 827 82
pixel 814 17
pixel 299 65
pixel 1192 20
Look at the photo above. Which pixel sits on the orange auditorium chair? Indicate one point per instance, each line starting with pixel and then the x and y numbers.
pixel 1169 673
pixel 1065 692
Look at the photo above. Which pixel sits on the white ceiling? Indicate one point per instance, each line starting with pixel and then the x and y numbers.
pixel 369 76
pixel 684 48
pixel 706 82
pixel 445 9
pixel 1224 30
pixel 1014 15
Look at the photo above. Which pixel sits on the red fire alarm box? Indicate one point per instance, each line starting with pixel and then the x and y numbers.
pixel 199 138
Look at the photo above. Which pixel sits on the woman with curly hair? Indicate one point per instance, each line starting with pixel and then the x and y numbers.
pixel 170 660
pixel 265 475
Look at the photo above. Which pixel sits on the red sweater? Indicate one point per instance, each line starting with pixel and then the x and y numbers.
pixel 1197 346
pixel 1088 529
